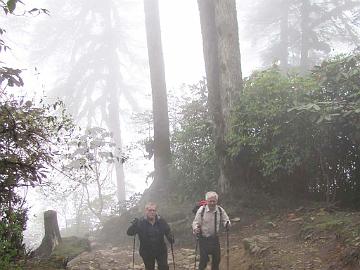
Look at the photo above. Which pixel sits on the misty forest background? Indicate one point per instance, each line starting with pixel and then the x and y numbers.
pixel 287 131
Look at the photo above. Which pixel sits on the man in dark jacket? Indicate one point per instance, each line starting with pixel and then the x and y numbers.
pixel 151 230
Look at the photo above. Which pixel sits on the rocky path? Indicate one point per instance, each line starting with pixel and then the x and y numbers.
pixel 117 258
pixel 314 240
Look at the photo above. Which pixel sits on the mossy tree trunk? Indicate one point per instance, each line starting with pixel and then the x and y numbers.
pixel 221 49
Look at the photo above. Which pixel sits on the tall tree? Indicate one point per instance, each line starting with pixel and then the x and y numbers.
pixel 324 23
pixel 302 33
pixel 219 28
pixel 162 155
pixel 100 69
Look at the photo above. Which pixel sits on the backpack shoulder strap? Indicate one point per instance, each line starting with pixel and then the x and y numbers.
pixel 202 212
pixel 221 213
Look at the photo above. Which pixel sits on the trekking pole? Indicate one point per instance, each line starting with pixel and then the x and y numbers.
pixel 227 246
pixel 196 248
pixel 134 252
pixel 172 252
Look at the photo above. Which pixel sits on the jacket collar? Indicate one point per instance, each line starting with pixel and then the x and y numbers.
pixel 157 217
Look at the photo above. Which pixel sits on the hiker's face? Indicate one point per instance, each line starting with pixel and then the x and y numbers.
pixel 212 202
pixel 150 212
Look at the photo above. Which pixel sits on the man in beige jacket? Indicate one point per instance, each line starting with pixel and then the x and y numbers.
pixel 206 225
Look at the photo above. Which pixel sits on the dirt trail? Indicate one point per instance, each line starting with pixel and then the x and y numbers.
pixel 316 240
pixel 269 248
pixel 117 258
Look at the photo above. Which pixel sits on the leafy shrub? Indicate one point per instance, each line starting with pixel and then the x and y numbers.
pixel 27 147
pixel 11 247
pixel 299 136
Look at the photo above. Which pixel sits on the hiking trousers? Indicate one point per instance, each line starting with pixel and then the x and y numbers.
pixel 209 246
pixel 161 259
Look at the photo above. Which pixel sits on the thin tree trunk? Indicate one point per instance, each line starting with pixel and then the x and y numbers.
pixel 162 155
pixel 325 177
pixel 284 36
pixel 305 39
pixel 98 213
pixel 114 125
pixel 79 211
pixel 10 213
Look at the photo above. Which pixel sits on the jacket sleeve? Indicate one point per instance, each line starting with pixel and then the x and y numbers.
pixel 197 220
pixel 132 230
pixel 225 218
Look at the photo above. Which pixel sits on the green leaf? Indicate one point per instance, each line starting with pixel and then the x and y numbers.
pixel 11 5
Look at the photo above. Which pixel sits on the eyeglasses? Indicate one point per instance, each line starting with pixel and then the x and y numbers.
pixel 151 210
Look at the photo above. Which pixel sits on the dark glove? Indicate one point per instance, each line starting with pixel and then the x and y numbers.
pixel 227 226
pixel 135 221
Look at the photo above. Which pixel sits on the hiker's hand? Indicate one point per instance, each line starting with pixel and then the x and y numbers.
pixel 227 226
pixel 171 239
pixel 135 221
pixel 196 231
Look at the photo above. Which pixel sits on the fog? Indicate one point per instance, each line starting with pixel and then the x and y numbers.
pixel 93 55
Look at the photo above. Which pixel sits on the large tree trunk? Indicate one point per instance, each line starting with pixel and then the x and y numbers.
pixel 229 54
pixel 52 236
pixel 162 155
pixel 230 75
pixel 219 30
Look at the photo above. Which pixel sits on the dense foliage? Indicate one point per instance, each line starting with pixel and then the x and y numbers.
pixel 299 136
pixel 29 134
pixel 291 136
pixel 193 149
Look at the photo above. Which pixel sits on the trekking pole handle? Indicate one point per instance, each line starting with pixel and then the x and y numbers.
pixel 227 225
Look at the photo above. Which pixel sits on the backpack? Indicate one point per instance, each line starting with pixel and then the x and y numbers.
pixel 198 205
